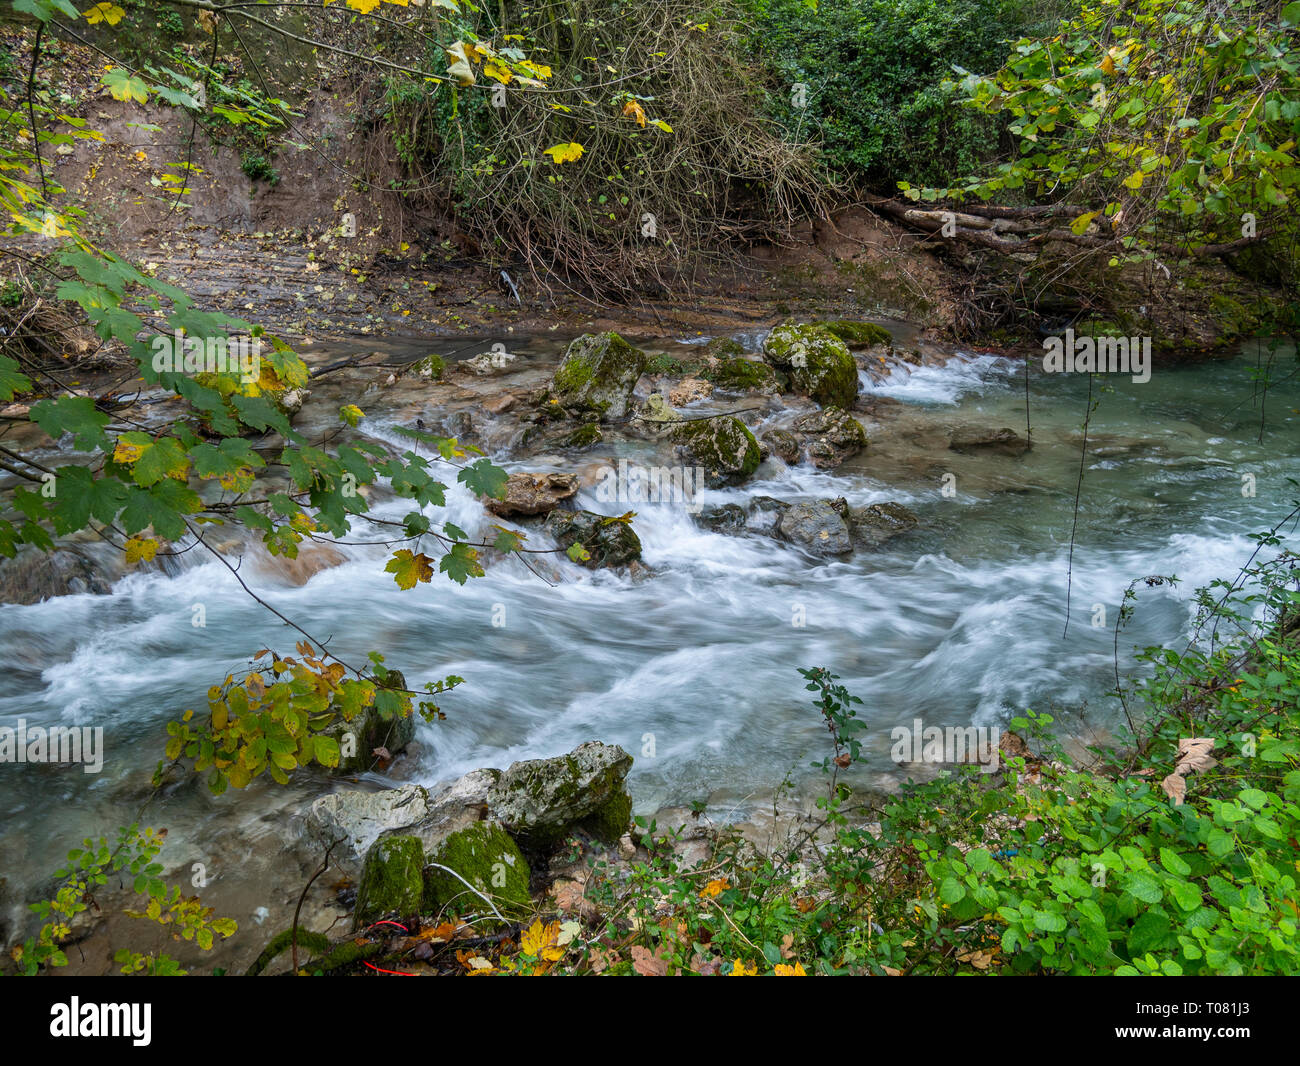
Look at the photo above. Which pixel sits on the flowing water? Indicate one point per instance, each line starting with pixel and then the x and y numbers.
pixel 960 622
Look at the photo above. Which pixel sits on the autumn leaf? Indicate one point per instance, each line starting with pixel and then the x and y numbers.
pixel 351 414
pixel 741 970
pixel 123 86
pixel 110 13
pixel 138 548
pixel 782 970
pixel 647 963
pixel 1193 755
pixel 714 888
pixel 540 941
pixel 459 66
pixel 632 109
pixel 408 568
pixel 565 153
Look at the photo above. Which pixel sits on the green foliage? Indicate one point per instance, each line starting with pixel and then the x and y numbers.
pixel 1159 120
pixel 874 73
pixel 1043 868
pixel 88 869
pixel 257 167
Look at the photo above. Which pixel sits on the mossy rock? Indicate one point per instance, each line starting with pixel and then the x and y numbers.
pixel 609 542
pixel 392 880
pixel 371 730
pixel 597 376
pixel 612 820
pixel 486 856
pixel 725 348
pixel 859 334
pixel 584 436
pixel 540 800
pixel 431 366
pixel 742 374
pixel 723 446
pixel 818 363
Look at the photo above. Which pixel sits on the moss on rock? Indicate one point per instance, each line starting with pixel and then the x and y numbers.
pixel 740 373
pixel 584 436
pixel 818 362
pixel 723 446
pixel 392 880
pixel 597 375
pixel 486 856
pixel 859 334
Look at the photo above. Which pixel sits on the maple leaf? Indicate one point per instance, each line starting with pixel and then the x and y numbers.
pixel 408 568
pixel 632 109
pixel 459 66
pixel 540 941
pixel 105 12
pixel 138 548
pixel 565 153
pixel 351 414
pixel 123 86
pixel 647 963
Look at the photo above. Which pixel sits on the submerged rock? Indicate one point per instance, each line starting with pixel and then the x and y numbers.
pixel 539 800
pixel 723 446
pixel 609 542
pixel 33 576
pixel 532 494
pixel 728 518
pixel 817 362
pixel 487 857
pixel 392 880
pixel 830 436
pixel 816 526
pixel 977 439
pixel 871 526
pixel 597 376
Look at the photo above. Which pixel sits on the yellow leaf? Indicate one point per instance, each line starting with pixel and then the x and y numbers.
pixel 141 157
pixel 782 970
pixel 1108 65
pixel 1134 180
pixel 539 940
pixel 110 13
pixel 127 453
pixel 364 6
pixel 496 71
pixel 351 414
pixel 459 66
pixel 565 153
pixel 740 970
pixel 138 548
pixel 632 109
pixel 715 888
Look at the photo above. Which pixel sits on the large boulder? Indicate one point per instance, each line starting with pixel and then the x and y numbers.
pixel 871 526
pixel 723 446
pixel 597 376
pixel 817 526
pixel 739 374
pixel 392 880
pixel 609 541
pixel 484 855
pixel 358 819
pixel 816 361
pixel 830 436
pixel 532 494
pixel 540 800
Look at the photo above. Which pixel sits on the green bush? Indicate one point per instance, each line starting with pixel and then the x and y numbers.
pixel 873 71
